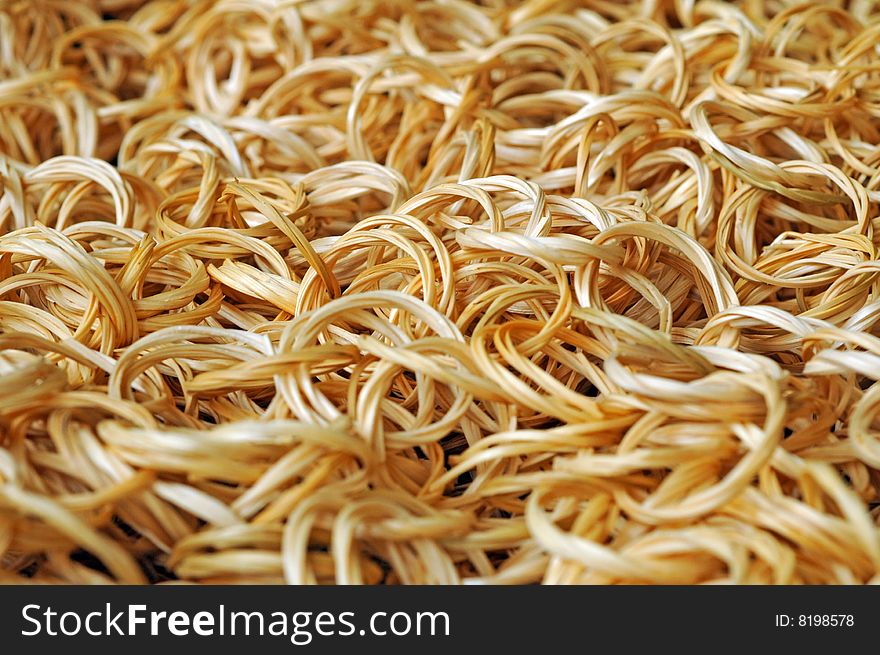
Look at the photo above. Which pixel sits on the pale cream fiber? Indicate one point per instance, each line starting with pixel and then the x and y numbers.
pixel 433 291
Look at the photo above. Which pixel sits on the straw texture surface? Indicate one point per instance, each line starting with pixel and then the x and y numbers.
pixel 434 291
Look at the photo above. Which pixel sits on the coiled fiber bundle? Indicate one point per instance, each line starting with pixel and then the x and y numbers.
pixel 434 291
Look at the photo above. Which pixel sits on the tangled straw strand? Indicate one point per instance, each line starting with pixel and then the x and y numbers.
pixel 436 291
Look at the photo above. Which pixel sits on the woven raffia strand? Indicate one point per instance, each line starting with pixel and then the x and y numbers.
pixel 434 291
